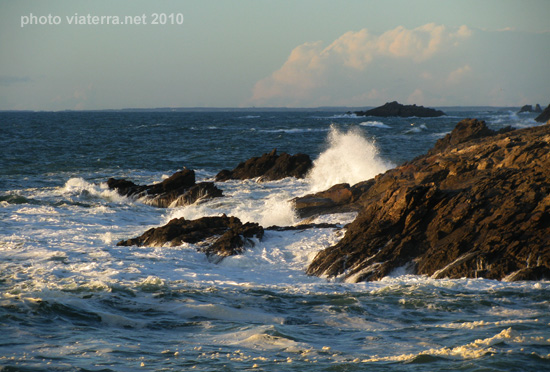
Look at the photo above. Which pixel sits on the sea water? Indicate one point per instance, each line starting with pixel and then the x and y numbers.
pixel 71 300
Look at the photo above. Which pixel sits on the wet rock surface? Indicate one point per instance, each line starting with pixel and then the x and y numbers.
pixel 177 190
pixel 396 109
pixel 477 205
pixel 269 167
pixel 339 198
pixel 220 236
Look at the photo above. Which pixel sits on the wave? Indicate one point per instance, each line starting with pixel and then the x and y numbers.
pixel 249 117
pixel 416 129
pixel 349 158
pixel 375 124
pixel 82 188
pixel 339 116
pixel 294 130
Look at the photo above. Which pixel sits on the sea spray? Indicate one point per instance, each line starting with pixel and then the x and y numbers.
pixel 349 158
pixel 267 203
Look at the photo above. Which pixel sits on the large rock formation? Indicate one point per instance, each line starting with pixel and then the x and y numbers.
pixel 177 190
pixel 478 205
pixel 269 167
pixel 544 116
pixel 230 236
pixel 396 109
pixel 529 108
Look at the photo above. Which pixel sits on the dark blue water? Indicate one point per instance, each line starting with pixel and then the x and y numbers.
pixel 71 300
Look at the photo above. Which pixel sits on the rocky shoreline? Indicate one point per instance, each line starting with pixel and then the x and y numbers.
pixel 476 205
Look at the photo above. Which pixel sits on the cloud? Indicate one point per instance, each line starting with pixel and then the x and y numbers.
pixel 457 75
pixel 311 68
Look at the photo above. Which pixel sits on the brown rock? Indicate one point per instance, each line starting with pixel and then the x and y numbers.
pixel 544 116
pixel 477 205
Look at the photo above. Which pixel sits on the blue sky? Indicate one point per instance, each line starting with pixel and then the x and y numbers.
pixel 300 53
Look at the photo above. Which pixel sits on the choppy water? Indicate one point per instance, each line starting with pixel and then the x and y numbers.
pixel 71 300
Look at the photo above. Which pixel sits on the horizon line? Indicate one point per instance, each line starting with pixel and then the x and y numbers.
pixel 252 108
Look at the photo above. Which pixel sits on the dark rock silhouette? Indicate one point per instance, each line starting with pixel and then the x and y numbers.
pixel 396 109
pixel 269 167
pixel 544 116
pixel 177 190
pixel 477 205
pixel 230 234
pixel 529 108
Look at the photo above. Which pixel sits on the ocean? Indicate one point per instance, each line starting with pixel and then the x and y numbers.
pixel 72 300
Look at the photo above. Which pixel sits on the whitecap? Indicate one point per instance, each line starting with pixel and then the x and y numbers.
pixel 375 124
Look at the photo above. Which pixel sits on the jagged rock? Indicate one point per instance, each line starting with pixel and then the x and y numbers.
pixel 544 116
pixel 269 167
pixel 478 205
pixel 525 108
pixel 396 109
pixel 231 235
pixel 529 108
pixel 466 130
pixel 177 190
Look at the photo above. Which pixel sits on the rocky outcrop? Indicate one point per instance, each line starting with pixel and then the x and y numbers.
pixel 269 167
pixel 396 109
pixel 220 236
pixel 478 205
pixel 177 190
pixel 544 116
pixel 529 109
pixel 339 198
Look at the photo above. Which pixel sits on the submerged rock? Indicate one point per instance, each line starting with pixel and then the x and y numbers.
pixel 477 205
pixel 396 109
pixel 177 190
pixel 544 116
pixel 269 167
pixel 230 235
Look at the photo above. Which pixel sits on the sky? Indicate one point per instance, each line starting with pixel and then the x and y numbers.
pixel 68 54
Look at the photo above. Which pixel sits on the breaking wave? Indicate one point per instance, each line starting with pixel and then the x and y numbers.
pixel 349 158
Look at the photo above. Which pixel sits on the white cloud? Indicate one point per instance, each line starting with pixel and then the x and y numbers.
pixel 311 69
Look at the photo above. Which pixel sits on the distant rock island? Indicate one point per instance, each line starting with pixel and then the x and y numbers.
pixel 396 109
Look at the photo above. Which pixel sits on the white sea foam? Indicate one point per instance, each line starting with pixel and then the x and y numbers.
pixel 375 124
pixel 267 203
pixel 350 158
pixel 81 187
